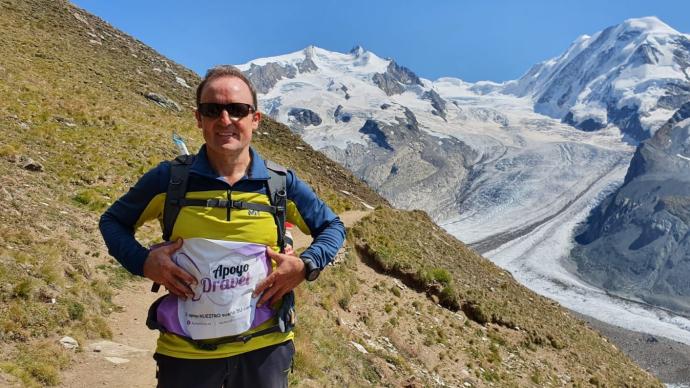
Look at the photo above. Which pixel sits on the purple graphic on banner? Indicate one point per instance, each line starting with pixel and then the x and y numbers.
pixel 251 250
pixel 167 316
pixel 261 315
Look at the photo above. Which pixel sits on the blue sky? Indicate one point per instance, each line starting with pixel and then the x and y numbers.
pixel 474 40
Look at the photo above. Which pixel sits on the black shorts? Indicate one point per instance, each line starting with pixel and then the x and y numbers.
pixel 266 367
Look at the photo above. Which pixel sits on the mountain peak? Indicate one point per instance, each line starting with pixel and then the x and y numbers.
pixel 648 24
pixel 614 77
pixel 357 50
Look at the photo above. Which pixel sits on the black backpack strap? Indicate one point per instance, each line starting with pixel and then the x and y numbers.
pixel 177 188
pixel 277 195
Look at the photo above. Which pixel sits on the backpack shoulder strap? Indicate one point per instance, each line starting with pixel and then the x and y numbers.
pixel 277 195
pixel 177 188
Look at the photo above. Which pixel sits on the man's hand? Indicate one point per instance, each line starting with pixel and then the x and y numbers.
pixel 287 275
pixel 160 268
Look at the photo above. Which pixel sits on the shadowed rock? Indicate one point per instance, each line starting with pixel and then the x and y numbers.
pixel 438 103
pixel 394 80
pixel 304 116
pixel 163 101
pixel 265 77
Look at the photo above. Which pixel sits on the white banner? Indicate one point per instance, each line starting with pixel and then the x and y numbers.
pixel 227 273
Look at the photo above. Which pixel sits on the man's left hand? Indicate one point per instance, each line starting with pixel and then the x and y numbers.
pixel 285 277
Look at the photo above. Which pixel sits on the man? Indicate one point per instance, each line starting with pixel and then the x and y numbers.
pixel 226 168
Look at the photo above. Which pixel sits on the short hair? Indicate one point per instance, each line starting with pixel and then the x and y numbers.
pixel 224 71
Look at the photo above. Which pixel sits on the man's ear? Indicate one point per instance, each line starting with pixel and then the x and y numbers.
pixel 197 115
pixel 256 119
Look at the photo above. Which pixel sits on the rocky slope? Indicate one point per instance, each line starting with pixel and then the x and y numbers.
pixel 636 243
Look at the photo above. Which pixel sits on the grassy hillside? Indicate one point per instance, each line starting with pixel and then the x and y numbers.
pixel 78 130
pixel 73 106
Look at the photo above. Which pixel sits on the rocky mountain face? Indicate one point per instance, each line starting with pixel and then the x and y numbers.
pixel 636 243
pixel 633 75
pixel 406 165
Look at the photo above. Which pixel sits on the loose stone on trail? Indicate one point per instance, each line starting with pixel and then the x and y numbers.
pixel 69 342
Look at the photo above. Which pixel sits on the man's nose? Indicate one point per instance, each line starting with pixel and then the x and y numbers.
pixel 226 118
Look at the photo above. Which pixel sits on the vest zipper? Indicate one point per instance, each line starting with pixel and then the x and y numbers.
pixel 229 196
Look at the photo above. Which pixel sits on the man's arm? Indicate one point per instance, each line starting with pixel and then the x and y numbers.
pixel 142 202
pixel 309 213
pixel 314 217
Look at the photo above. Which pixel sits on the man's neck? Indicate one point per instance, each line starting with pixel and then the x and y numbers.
pixel 229 166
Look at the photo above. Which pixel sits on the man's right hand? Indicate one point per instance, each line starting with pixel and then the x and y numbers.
pixel 160 268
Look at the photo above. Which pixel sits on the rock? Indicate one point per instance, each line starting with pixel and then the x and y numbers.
pixel 359 347
pixel 117 360
pixel 438 103
pixel 65 121
pixel 182 82
pixel 307 65
pixel 81 18
pixel 32 165
pixel 265 77
pixel 367 206
pixel 393 80
pixel 163 101
pixel 69 342
pixel 304 116
pixel 339 115
pixel 114 349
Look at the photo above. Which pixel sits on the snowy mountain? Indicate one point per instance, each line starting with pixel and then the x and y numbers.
pixel 485 160
pixel 372 115
pixel 634 75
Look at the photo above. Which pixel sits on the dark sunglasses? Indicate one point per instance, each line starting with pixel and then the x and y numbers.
pixel 236 110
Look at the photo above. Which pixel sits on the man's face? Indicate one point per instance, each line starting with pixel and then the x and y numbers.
pixel 226 135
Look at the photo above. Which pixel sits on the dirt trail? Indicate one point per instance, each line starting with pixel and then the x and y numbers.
pixel 127 360
pixel 92 369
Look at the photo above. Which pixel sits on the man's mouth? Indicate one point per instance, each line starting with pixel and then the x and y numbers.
pixel 228 134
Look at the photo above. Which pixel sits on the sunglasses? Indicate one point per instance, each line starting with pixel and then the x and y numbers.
pixel 236 110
